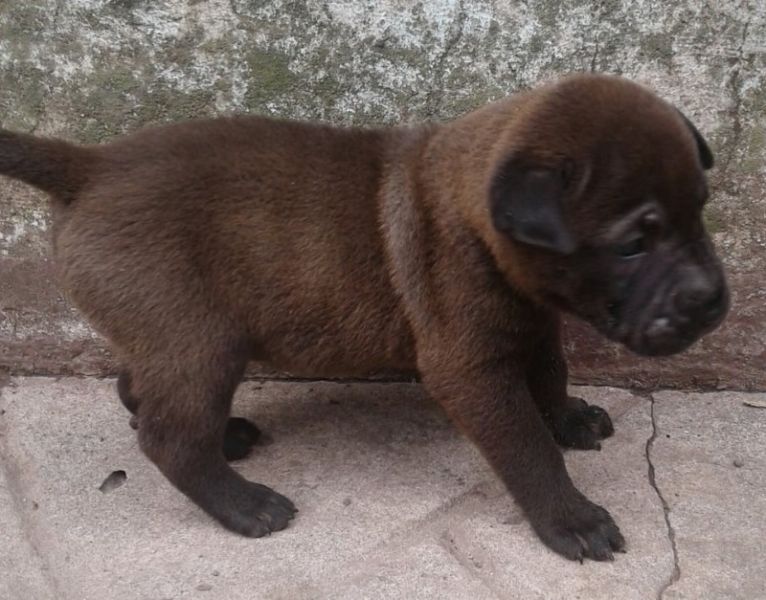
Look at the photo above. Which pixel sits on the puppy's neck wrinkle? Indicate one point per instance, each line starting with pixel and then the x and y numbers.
pixel 464 154
pixel 428 242
pixel 404 221
pixel 458 165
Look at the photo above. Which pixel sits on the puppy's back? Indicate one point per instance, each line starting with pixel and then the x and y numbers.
pixel 273 224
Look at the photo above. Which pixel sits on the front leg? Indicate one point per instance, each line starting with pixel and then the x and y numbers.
pixel 472 334
pixel 573 422
pixel 491 403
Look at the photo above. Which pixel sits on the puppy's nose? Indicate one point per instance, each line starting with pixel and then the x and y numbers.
pixel 703 300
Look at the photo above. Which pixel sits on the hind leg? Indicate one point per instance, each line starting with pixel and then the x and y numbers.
pixel 239 438
pixel 182 422
pixel 240 435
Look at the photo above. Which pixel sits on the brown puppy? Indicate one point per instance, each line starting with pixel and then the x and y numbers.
pixel 448 249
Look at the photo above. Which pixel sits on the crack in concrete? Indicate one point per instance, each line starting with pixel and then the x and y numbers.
pixel 48 85
pixel 434 96
pixel 735 84
pixel 593 59
pixel 57 14
pixel 240 17
pixel 676 575
pixel 33 131
pixel 603 10
pixel 596 27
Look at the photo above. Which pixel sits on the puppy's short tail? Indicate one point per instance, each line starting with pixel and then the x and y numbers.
pixel 54 166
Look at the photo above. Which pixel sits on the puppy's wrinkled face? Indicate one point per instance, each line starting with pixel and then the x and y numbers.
pixel 644 282
pixel 611 226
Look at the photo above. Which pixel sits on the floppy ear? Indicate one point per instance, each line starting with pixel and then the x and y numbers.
pixel 706 156
pixel 525 204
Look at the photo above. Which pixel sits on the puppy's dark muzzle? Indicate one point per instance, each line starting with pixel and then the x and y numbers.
pixel 706 309
pixel 695 311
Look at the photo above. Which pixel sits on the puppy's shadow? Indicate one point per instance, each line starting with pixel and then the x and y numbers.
pixel 343 415
pixel 372 442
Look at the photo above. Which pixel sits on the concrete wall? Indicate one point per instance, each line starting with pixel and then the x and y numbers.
pixel 91 69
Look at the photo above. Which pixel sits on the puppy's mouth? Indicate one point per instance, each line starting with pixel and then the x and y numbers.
pixel 658 330
pixel 661 336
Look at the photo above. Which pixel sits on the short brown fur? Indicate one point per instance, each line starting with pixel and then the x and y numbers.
pixel 326 252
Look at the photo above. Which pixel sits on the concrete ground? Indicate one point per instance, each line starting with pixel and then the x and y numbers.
pixel 394 503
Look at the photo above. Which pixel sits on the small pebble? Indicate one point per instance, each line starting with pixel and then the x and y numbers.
pixel 346 501
pixel 215 573
pixel 738 462
pixel 204 587
pixel 114 480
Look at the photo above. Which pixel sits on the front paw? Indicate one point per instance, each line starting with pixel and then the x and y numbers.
pixel 254 510
pixel 582 425
pixel 577 528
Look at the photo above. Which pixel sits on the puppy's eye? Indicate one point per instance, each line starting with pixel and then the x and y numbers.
pixel 632 249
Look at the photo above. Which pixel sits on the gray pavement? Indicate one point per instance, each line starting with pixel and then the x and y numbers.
pixel 393 502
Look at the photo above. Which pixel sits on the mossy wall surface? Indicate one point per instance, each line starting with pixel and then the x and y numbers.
pixel 88 70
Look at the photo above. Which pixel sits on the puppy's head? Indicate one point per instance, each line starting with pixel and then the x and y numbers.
pixel 596 197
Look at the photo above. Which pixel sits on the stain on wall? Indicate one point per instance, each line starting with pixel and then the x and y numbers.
pixel 87 70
